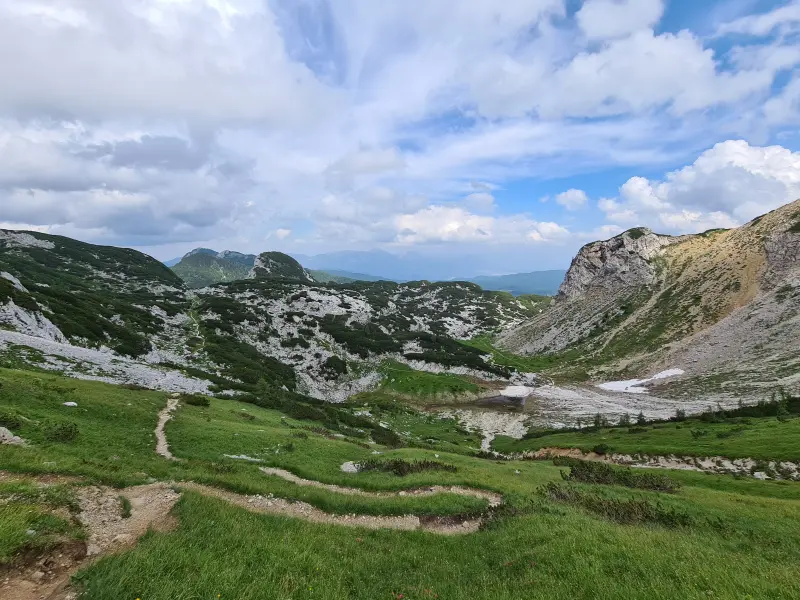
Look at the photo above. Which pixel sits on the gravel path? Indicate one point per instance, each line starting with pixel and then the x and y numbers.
pixel 162 446
pixel 492 498
pixel 301 510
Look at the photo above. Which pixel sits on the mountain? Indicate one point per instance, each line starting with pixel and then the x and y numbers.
pixel 203 267
pixel 724 305
pixel 119 315
pixel 543 283
pixel 336 276
pixel 277 265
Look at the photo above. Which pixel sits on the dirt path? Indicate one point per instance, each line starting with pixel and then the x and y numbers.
pixel 302 510
pixel 48 577
pixel 492 498
pixel 162 446
pixel 779 470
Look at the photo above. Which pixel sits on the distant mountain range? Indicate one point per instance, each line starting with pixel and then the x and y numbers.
pixel 203 266
pixel 542 283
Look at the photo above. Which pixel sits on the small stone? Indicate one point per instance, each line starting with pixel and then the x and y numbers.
pixel 93 549
pixel 37 576
pixel 30 532
pixel 122 538
pixel 73 404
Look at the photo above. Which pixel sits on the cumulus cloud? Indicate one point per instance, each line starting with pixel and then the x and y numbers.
pixel 444 224
pixel 572 199
pixel 365 124
pixel 604 19
pixel 727 185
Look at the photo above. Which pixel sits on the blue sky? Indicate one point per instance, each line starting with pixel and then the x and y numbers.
pixel 501 135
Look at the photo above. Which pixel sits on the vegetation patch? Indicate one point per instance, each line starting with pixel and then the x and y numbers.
pixel 585 471
pixel 627 511
pixel 195 400
pixel 61 431
pixel 401 467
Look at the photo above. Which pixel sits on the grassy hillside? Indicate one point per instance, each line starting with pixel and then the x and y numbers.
pixel 202 269
pixel 549 539
pixel 96 295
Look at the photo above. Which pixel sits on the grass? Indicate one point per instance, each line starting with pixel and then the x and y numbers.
pixel 764 438
pixel 28 522
pixel 424 386
pixel 735 538
pixel 554 552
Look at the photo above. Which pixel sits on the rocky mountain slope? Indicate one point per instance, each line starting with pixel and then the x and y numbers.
pixel 723 305
pixel 118 314
pixel 202 267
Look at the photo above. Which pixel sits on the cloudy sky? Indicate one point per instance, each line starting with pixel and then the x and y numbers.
pixel 513 131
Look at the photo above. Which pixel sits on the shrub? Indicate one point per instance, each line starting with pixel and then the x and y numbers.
pixel 401 467
pixel 627 512
pixel 61 431
pixel 601 449
pixel 10 419
pixel 602 473
pixel 386 437
pixel 195 400
pixel 125 507
pixel 333 367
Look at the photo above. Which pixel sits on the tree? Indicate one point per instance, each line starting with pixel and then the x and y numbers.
pixel 625 420
pixel 680 415
pixel 640 420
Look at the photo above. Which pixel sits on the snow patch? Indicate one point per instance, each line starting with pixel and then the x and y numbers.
pixel 634 386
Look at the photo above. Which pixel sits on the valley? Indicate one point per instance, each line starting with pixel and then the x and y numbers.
pixel 240 426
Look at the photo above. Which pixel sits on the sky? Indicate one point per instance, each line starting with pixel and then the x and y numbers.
pixel 503 135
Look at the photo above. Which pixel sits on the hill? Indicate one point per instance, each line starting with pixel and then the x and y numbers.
pixel 200 268
pixel 65 304
pixel 336 276
pixel 721 305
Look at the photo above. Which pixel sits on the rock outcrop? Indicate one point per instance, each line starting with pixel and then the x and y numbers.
pixel 278 265
pixel 625 260
pixel 724 305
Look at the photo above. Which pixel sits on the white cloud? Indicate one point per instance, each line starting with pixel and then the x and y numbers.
pixel 282 233
pixel 727 185
pixel 785 17
pixel 446 224
pixel 605 19
pixel 572 199
pixel 201 119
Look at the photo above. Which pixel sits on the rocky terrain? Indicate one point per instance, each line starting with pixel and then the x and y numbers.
pixel 723 305
pixel 119 315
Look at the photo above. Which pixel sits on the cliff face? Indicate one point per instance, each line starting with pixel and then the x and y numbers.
pixel 721 299
pixel 623 261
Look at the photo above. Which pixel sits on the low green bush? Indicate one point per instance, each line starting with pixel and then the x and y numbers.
pixel 402 467
pixel 597 472
pixel 624 511
pixel 10 419
pixel 386 437
pixel 195 400
pixel 61 431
